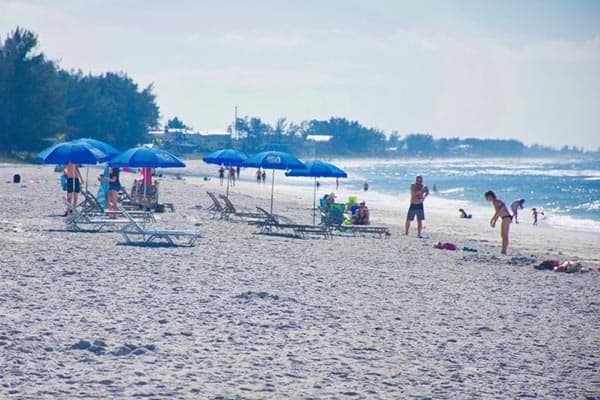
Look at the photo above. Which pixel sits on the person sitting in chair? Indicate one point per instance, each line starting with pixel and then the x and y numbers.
pixel 361 215
pixel 329 199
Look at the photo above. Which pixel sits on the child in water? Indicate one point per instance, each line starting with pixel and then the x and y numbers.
pixel 535 213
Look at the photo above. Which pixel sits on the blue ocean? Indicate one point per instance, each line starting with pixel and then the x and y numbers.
pixel 567 191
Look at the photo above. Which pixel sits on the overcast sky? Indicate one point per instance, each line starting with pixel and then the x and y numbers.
pixel 506 69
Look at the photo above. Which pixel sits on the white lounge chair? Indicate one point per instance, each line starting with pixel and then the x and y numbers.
pixel 78 221
pixel 133 228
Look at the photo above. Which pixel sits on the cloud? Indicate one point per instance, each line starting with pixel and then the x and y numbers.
pixel 388 66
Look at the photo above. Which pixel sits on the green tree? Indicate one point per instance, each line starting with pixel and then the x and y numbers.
pixel 31 96
pixel 175 123
pixel 109 107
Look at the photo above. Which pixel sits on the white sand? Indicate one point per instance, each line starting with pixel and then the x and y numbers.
pixel 251 316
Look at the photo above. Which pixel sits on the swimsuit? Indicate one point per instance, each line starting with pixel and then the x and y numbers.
pixel 502 205
pixel 360 219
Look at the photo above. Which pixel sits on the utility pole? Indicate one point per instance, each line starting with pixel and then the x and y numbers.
pixel 235 136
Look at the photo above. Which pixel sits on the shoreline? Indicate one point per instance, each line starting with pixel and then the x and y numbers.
pixel 442 223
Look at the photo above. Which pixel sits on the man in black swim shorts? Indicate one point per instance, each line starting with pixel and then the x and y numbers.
pixel 418 192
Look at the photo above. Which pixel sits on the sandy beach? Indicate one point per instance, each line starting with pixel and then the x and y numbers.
pixel 247 316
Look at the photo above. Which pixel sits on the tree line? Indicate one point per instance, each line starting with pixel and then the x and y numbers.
pixel 41 103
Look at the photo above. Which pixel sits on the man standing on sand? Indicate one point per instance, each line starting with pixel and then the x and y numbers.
pixel 418 192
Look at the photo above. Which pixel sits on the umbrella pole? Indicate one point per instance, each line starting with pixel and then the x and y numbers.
pixel 314 201
pixel 87 176
pixel 272 185
pixel 228 180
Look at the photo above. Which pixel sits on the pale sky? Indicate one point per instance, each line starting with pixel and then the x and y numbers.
pixel 528 69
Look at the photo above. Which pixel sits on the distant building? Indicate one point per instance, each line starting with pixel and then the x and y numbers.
pixel 189 141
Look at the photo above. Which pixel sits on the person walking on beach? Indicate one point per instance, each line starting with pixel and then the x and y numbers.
pixel 514 207
pixel 501 211
pixel 418 193
pixel 74 182
pixel 221 174
pixel 232 176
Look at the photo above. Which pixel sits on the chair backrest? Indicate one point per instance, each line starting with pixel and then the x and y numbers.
pixel 132 221
pixel 93 200
pixel 228 203
pixel 90 203
pixel 335 214
pixel 215 201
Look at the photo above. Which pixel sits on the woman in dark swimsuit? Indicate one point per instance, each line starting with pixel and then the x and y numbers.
pixel 361 216
pixel 501 211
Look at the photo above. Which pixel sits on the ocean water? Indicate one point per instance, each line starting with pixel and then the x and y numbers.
pixel 566 190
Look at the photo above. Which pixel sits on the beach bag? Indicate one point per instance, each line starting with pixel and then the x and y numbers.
pixel 63 182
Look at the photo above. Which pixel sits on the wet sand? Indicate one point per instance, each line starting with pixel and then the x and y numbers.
pixel 263 317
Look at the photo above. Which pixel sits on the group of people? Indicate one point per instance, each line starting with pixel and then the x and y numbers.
pixel 74 181
pixel 419 192
pixel 231 174
pixel 261 176
pixel 358 212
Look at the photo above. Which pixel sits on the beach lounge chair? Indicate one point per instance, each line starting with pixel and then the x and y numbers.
pixel 334 215
pixel 278 225
pixel 231 211
pixel 334 219
pixel 172 237
pixel 92 207
pixel 78 221
pixel 216 208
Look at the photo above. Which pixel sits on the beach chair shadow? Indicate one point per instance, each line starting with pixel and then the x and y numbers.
pixel 148 236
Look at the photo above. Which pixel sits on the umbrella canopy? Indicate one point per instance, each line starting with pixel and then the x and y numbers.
pixel 228 157
pixel 109 150
pixel 273 160
pixel 74 152
pixel 146 157
pixel 318 169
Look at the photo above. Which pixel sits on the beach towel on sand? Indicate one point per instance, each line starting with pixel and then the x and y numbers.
pixel 445 246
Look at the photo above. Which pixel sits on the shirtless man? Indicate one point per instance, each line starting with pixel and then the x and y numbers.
pixel 418 192
pixel 74 182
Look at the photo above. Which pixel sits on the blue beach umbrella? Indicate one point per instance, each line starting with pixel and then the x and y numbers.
pixel 109 150
pixel 317 169
pixel 273 160
pixel 146 157
pixel 225 157
pixel 74 152
pixel 228 157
